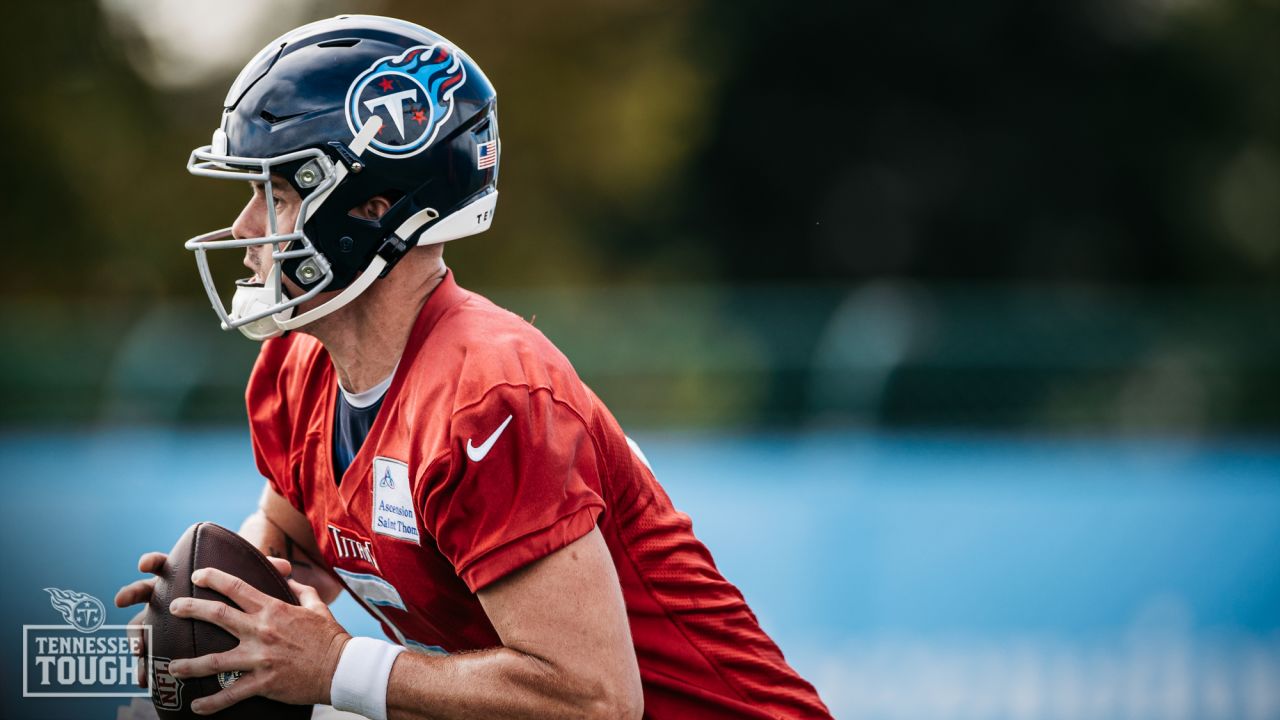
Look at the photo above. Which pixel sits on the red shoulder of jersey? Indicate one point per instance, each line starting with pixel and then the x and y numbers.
pixel 518 475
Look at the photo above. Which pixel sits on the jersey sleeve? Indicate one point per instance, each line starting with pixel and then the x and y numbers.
pixel 523 482
pixel 269 422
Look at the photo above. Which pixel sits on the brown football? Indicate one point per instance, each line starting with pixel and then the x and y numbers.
pixel 207 545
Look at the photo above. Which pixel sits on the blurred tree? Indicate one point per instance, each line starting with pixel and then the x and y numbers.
pixel 812 146
pixel 994 140
pixel 1100 141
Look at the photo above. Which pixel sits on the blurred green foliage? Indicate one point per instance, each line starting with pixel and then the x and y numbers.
pixel 1024 214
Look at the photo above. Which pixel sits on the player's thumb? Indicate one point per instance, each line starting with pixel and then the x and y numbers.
pixel 282 566
pixel 307 595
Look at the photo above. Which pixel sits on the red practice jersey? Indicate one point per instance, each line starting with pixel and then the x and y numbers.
pixel 489 453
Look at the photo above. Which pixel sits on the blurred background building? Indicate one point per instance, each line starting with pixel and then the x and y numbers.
pixel 973 305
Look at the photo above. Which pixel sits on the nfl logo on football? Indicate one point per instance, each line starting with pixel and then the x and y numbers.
pixel 82 657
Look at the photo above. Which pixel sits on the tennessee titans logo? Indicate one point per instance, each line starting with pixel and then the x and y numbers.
pixel 412 94
pixel 82 611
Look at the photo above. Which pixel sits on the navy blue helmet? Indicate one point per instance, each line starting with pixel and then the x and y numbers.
pixel 344 110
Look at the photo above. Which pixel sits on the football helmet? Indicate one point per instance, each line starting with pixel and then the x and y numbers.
pixel 344 110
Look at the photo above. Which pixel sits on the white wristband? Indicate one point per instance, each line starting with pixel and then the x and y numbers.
pixel 360 680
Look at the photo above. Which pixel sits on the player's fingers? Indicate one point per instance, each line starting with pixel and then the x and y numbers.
pixel 307 595
pixel 152 562
pixel 135 592
pixel 134 630
pixel 246 686
pixel 284 567
pixel 138 645
pixel 211 664
pixel 218 613
pixel 241 592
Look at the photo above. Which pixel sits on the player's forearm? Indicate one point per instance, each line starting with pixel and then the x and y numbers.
pixel 275 542
pixel 500 683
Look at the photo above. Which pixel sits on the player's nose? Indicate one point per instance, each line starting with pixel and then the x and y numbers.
pixel 251 222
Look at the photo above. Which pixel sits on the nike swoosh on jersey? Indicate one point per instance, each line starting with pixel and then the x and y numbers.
pixel 477 453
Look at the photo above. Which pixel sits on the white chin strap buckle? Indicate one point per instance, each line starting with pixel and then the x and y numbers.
pixel 253 299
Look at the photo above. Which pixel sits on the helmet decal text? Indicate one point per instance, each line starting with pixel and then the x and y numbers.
pixel 412 93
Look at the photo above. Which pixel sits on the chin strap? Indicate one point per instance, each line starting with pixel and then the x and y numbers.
pixel 351 292
pixel 254 298
pixel 251 299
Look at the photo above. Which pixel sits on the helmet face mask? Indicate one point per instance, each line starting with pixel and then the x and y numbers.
pixel 262 310
pixel 256 302
pixel 344 110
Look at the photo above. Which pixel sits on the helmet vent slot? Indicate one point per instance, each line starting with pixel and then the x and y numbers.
pixel 273 119
pixel 344 42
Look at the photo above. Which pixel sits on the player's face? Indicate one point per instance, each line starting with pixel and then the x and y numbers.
pixel 252 222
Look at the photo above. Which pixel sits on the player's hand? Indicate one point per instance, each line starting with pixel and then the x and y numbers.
pixel 136 592
pixel 286 652
pixel 139 591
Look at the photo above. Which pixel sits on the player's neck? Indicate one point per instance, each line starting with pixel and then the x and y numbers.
pixel 366 339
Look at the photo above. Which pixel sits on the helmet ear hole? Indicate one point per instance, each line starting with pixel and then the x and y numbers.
pixel 377 205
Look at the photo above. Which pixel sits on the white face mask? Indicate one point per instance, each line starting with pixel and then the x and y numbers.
pixel 262 310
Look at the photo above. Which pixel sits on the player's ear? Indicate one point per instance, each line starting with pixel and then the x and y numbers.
pixel 373 208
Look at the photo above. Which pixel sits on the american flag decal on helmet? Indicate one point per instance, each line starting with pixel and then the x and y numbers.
pixel 486 154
